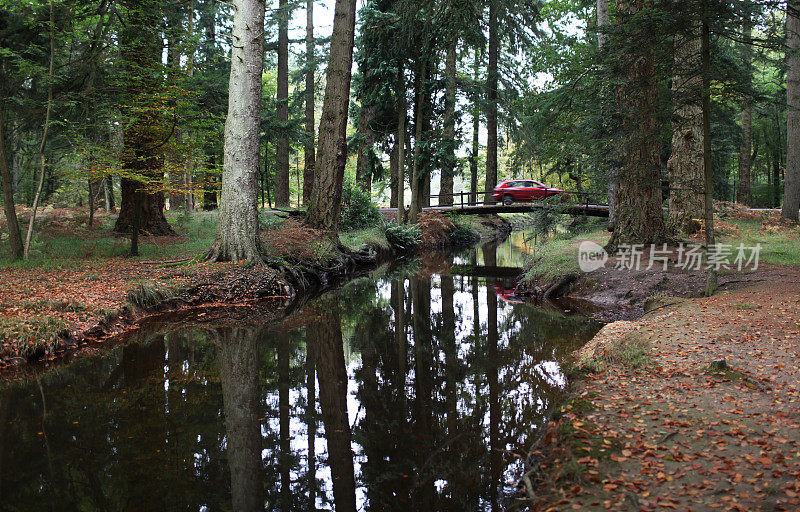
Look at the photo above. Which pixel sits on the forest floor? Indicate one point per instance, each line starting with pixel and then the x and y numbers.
pixel 653 423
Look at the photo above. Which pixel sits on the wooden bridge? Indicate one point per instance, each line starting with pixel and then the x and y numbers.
pixel 465 203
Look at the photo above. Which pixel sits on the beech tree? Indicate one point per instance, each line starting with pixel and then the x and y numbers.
pixel 326 194
pixel 237 230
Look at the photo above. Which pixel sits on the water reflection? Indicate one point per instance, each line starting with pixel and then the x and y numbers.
pixel 406 391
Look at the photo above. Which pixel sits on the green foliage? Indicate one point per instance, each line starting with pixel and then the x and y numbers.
pixel 404 237
pixel 358 210
pixel 463 234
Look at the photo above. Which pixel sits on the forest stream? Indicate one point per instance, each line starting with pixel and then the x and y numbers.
pixel 419 387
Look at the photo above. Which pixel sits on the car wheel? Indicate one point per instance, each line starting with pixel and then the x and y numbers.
pixel 508 200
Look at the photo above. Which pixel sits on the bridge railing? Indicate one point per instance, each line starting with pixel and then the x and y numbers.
pixel 466 198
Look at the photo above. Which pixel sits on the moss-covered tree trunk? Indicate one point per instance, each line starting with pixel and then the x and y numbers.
pixel 282 97
pixel 12 223
pixel 237 228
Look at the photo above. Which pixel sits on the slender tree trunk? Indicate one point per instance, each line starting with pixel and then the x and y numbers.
pixel 711 273
pixel 640 218
pixel 401 145
pixel 44 132
pixel 603 22
pixel 791 191
pixel 686 162
pixel 745 146
pixel 476 127
pixel 449 130
pixel 308 166
pixel 492 79
pixel 365 144
pixel 417 175
pixel 282 144
pixel 285 457
pixel 311 421
pixel 237 230
pixel 12 223
pixel 326 196
pixel 393 173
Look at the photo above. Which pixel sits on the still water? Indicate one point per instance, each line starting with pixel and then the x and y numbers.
pixel 408 390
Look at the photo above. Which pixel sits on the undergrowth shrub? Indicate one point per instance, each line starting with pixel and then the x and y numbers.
pixel 149 295
pixel 358 210
pixel 403 237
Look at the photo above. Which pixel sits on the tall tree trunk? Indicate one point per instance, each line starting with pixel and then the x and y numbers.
pixel 45 129
pixel 400 143
pixel 326 196
pixel 476 127
pixel 311 421
pixel 308 166
pixel 141 45
pixel 791 191
pixel 640 218
pixel 492 79
pixel 603 22
pixel 237 229
pixel 686 161
pixel 393 173
pixel 745 146
pixel 449 130
pixel 708 171
pixel 238 372
pixel 282 144
pixel 417 174
pixel 12 223
pixel 365 144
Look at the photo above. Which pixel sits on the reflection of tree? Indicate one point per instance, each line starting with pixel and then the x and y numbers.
pixel 495 456
pixel 325 332
pixel 311 422
pixel 238 368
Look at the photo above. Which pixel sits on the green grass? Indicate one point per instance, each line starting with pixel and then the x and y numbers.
pixel 358 239
pixel 558 256
pixel 61 250
pixel 776 248
pixel 24 337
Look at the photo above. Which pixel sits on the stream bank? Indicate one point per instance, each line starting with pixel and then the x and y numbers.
pixel 123 292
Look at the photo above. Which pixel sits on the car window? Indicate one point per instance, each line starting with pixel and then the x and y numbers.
pixel 537 184
pixel 513 184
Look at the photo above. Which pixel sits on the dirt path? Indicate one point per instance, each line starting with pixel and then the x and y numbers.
pixel 674 435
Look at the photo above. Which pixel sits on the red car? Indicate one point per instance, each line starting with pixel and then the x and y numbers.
pixel 523 191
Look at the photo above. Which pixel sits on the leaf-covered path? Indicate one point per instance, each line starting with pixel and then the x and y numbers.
pixel 675 435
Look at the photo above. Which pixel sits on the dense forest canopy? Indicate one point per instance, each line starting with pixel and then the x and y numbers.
pixel 119 104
